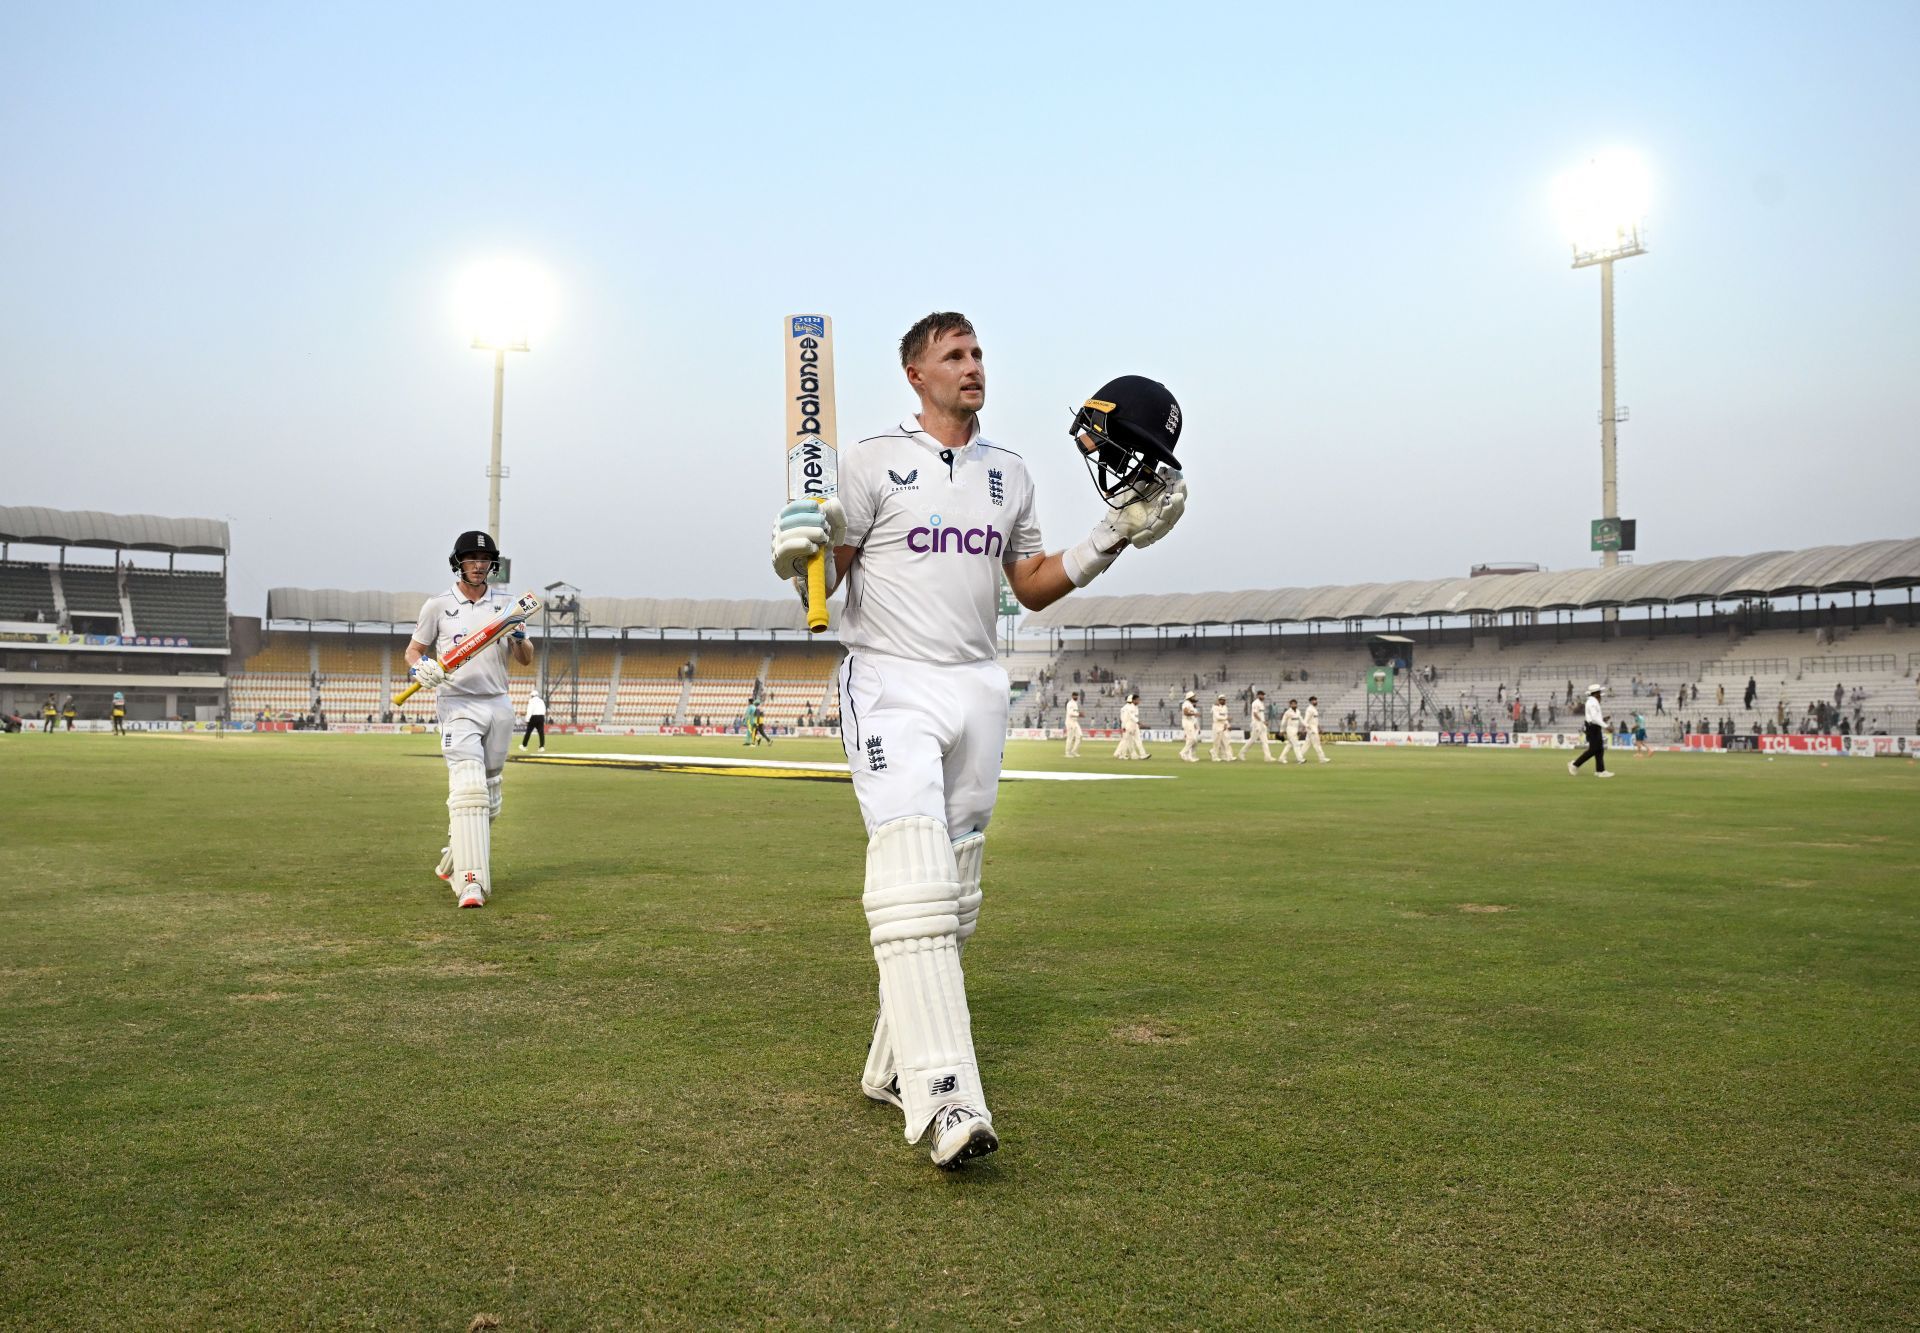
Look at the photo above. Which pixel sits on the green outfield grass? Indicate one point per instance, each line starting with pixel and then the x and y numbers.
pixel 1416 1039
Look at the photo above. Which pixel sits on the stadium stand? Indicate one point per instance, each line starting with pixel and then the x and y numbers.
pixel 26 593
pixel 189 602
pixel 67 625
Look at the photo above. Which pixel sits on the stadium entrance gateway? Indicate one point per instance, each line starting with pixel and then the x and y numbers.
pixel 1390 683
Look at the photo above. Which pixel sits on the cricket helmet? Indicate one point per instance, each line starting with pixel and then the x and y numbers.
pixel 1134 424
pixel 475 544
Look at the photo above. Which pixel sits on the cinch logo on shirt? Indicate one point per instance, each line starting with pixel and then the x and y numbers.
pixel 970 541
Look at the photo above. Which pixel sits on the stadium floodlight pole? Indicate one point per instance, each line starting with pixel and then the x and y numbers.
pixel 495 472
pixel 505 302
pixel 1603 206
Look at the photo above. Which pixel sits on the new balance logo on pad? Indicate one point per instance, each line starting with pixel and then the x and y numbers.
pixel 941 1086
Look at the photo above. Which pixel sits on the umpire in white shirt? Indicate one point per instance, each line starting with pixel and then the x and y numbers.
pixel 1596 737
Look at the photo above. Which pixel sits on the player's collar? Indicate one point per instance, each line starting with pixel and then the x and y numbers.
pixel 912 427
pixel 456 591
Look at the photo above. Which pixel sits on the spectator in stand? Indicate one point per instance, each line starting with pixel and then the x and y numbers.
pixel 1720 694
pixel 1535 717
pixel 1839 695
pixel 1553 713
pixel 1753 691
pixel 1659 702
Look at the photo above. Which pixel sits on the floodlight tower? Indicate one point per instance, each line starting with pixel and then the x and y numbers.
pixel 495 472
pixel 504 302
pixel 1603 207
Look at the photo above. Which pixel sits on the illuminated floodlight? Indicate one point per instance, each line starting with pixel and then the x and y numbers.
pixel 504 303
pixel 1602 206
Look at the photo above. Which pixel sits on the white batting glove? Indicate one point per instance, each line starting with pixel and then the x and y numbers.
pixel 804 527
pixel 1147 521
pixel 429 674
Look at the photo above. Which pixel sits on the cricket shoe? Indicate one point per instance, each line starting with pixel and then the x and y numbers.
pixel 1573 768
pixel 445 869
pixel 473 894
pixel 1603 775
pixel 961 1134
pixel 888 1093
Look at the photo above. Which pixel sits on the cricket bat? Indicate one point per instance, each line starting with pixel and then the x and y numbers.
pixel 524 609
pixel 812 444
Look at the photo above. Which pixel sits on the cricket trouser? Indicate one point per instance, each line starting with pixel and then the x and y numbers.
pixel 923 738
pixel 1192 737
pixel 1258 734
pixel 1313 741
pixel 1222 749
pixel 1596 749
pixel 475 732
pixel 1130 746
pixel 1073 739
pixel 539 724
pixel 1297 745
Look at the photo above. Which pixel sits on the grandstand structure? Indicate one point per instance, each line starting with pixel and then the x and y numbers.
pixel 1799 624
pixel 645 663
pixel 94 603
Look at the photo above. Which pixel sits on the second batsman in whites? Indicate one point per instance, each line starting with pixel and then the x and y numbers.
pixel 476 716
pixel 929 517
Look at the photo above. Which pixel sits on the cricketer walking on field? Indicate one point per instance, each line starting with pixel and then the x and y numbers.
pixel 1290 733
pixel 1222 750
pixel 1189 727
pixel 1311 721
pixel 1130 746
pixel 1257 728
pixel 476 716
pixel 928 517
pixel 1073 726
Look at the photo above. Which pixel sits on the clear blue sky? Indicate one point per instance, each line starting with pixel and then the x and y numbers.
pixel 228 236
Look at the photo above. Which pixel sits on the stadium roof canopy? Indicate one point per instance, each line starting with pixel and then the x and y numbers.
pixel 331 605
pixel 119 532
pixel 1819 569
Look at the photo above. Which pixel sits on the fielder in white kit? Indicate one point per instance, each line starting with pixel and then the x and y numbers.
pixel 929 516
pixel 1130 746
pixel 1189 726
pixel 1311 721
pixel 1222 747
pixel 1257 728
pixel 1073 726
pixel 476 716
pixel 1290 733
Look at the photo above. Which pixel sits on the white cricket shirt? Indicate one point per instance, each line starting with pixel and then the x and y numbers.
pixel 1290 719
pixel 1595 718
pixel 1259 712
pixel 536 706
pixel 1221 717
pixel 1129 715
pixel 449 618
pixel 933 526
pixel 1073 710
pixel 1312 717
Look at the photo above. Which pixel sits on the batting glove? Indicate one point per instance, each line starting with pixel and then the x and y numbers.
pixel 802 528
pixel 429 674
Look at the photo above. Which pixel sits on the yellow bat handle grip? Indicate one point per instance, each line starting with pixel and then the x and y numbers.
pixel 817 592
pixel 406 694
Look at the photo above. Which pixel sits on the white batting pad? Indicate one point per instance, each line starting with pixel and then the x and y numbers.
pixel 467 820
pixel 493 795
pixel 913 905
pixel 968 855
